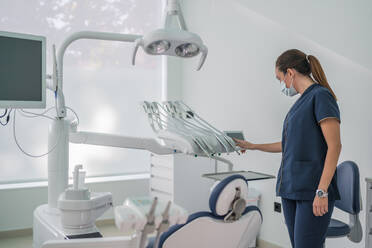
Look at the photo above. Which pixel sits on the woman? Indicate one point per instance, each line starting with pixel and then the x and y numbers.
pixel 310 149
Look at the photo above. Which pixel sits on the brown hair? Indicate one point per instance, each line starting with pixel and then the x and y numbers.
pixel 304 64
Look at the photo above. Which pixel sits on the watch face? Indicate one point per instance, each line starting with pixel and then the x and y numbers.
pixel 320 193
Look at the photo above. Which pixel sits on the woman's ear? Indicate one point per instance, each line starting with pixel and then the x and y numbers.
pixel 291 72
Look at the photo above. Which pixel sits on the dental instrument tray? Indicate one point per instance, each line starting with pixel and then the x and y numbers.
pixel 248 175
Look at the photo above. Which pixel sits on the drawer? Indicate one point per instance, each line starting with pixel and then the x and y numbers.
pixel 161 184
pixel 162 160
pixel 369 197
pixel 162 172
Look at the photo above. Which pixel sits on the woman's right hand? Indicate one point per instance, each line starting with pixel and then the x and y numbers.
pixel 245 145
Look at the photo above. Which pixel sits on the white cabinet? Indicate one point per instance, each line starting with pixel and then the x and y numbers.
pixel 369 214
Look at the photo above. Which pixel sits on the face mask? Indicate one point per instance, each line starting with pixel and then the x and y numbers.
pixel 291 91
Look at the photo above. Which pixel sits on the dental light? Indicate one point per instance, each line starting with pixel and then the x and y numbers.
pixel 170 41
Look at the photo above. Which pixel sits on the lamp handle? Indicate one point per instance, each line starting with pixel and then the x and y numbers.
pixel 137 44
pixel 204 51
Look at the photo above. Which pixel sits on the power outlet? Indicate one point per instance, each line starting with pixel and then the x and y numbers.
pixel 277 207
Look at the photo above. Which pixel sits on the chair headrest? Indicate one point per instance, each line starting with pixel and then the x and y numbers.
pixel 224 193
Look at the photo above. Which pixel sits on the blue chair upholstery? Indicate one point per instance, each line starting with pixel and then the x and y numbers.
pixel 213 215
pixel 337 229
pixel 348 182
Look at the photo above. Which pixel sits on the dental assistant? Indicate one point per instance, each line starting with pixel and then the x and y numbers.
pixel 310 146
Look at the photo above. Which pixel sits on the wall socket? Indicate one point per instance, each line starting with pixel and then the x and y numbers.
pixel 277 207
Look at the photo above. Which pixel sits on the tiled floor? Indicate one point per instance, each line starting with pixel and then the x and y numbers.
pixel 24 238
pixel 16 242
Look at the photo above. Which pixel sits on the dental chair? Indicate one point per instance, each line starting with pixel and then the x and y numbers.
pixel 348 183
pixel 229 224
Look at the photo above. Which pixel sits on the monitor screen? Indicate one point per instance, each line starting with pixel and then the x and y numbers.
pixel 22 71
pixel 235 134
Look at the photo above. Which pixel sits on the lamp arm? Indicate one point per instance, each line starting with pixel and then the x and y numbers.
pixel 102 139
pixel 61 111
pixel 181 19
pixel 173 8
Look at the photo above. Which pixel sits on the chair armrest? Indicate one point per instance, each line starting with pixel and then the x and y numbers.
pixel 356 230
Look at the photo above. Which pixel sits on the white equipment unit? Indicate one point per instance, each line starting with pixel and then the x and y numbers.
pixel 79 207
pixel 68 220
pixel 58 220
pixel 55 222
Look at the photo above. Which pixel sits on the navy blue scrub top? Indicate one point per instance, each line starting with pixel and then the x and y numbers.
pixel 304 147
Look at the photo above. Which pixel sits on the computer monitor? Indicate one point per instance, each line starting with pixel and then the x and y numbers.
pixel 22 70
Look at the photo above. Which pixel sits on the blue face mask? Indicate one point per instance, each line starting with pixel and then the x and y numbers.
pixel 291 91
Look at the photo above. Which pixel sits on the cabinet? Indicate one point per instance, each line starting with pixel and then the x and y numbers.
pixel 369 213
pixel 178 177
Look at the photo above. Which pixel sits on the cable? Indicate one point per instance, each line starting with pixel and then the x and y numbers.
pixel 6 111
pixel 34 115
pixel 6 123
pixel 7 118
pixel 20 148
pixel 73 111
pixel 43 114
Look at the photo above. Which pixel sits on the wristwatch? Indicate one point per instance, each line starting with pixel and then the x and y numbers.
pixel 321 193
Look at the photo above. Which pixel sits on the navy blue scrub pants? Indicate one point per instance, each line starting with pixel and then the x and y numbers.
pixel 305 229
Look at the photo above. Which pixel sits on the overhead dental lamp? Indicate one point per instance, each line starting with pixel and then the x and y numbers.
pixel 172 42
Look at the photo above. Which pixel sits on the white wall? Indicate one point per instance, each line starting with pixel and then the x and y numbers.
pixel 237 88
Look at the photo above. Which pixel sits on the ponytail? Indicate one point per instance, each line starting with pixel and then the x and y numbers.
pixel 304 64
pixel 318 73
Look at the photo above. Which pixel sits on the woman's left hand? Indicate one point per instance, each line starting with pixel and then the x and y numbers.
pixel 320 206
